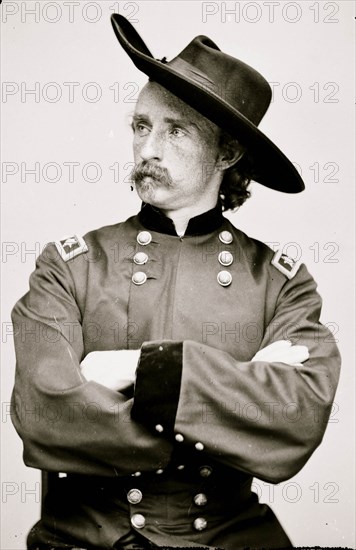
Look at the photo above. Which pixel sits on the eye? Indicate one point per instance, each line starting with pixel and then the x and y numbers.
pixel 177 132
pixel 140 129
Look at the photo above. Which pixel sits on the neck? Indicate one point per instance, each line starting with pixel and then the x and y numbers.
pixel 182 216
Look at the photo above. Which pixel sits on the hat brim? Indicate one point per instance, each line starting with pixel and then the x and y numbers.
pixel 271 167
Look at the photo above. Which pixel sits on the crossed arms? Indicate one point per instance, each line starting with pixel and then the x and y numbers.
pixel 116 369
pixel 76 417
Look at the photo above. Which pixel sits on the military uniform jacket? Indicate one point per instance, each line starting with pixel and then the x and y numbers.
pixel 175 458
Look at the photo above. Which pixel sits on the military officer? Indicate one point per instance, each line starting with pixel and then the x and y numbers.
pixel 170 358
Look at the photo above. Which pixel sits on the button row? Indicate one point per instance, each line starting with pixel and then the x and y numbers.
pixel 138 521
pixel 144 237
pixel 224 278
pixel 225 258
pixel 134 496
pixel 140 258
pixel 180 438
pixel 204 471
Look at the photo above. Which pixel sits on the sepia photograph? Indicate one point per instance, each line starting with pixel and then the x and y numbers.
pixel 178 282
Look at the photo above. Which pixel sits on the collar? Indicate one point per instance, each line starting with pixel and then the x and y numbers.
pixel 154 219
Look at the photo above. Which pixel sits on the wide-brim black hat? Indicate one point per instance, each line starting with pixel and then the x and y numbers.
pixel 222 88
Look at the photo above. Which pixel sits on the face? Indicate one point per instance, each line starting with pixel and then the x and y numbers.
pixel 176 152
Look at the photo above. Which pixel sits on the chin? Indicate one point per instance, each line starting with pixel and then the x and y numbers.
pixel 145 191
pixel 150 195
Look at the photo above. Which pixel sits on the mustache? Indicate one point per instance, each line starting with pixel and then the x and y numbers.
pixel 148 168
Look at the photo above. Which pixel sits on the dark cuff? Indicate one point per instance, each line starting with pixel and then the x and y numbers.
pixel 157 388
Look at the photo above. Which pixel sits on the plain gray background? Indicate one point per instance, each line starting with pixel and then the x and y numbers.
pixel 75 127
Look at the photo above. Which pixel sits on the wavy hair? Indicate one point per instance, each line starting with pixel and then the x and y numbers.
pixel 234 186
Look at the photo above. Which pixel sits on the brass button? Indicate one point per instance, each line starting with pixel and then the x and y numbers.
pixel 144 238
pixel 179 438
pixel 138 521
pixel 200 499
pixel 226 237
pixel 200 524
pixel 159 428
pixel 205 471
pixel 224 278
pixel 134 496
pixel 225 258
pixel 199 446
pixel 139 278
pixel 140 258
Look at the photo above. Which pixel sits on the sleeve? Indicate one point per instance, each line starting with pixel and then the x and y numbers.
pixel 66 423
pixel 260 417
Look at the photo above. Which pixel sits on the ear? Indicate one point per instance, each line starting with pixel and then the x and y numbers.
pixel 230 153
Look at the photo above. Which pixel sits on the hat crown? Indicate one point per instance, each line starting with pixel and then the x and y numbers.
pixel 234 82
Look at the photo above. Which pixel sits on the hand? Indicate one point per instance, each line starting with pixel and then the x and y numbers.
pixel 114 369
pixel 283 351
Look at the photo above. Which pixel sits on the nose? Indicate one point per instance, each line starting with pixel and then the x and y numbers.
pixel 151 146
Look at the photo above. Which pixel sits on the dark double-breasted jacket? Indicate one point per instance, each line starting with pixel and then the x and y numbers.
pixel 174 458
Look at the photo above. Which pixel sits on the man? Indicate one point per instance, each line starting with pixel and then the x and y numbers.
pixel 153 414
